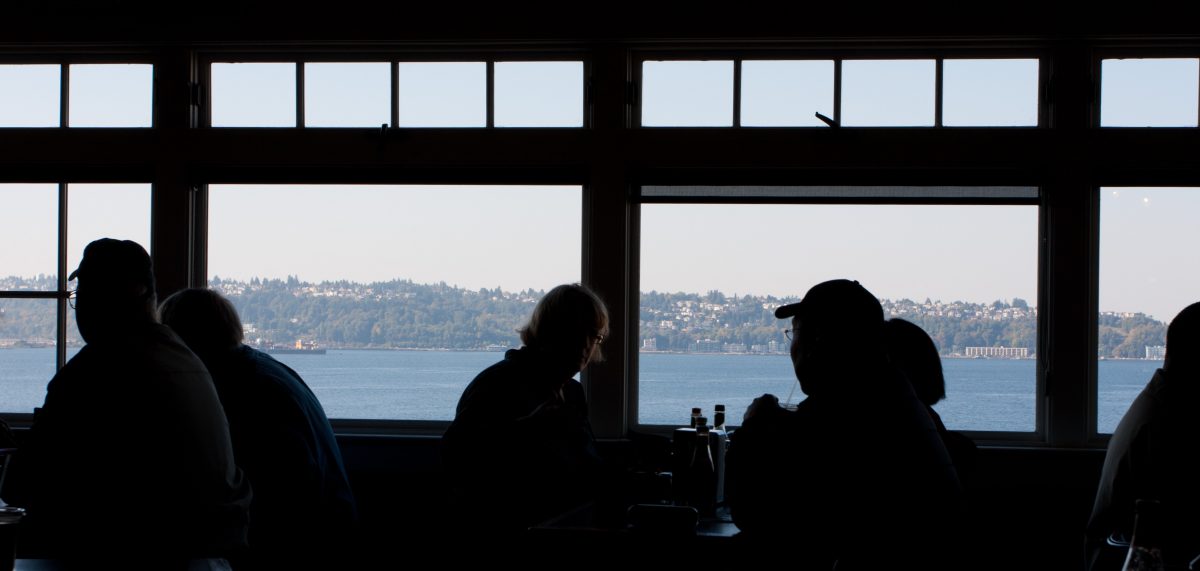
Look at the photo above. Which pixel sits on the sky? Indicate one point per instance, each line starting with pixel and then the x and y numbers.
pixel 521 237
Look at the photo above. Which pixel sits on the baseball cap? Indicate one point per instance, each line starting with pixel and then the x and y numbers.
pixel 110 264
pixel 847 301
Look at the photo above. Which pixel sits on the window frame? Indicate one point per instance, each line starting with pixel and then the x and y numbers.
pixel 98 57
pixel 938 54
pixel 392 57
pixel 994 437
pixel 61 293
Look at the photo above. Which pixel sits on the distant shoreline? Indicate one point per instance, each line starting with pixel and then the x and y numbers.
pixel 478 350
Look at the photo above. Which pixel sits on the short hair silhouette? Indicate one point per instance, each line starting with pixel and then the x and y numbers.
pixel 913 352
pixel 1183 339
pixel 204 319
pixel 565 320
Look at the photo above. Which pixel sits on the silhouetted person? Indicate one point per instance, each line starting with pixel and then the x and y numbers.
pixel 130 454
pixel 913 352
pixel 1154 454
pixel 521 448
pixel 303 510
pixel 856 474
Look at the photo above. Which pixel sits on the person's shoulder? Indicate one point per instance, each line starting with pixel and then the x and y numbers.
pixel 772 423
pixel 573 390
pixel 501 371
pixel 265 364
pixel 162 349
pixel 489 390
pixel 270 379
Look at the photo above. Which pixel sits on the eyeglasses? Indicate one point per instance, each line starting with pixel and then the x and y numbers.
pixel 71 295
pixel 790 333
pixel 599 338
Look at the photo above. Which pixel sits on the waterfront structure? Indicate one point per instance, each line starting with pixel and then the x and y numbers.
pixel 997 352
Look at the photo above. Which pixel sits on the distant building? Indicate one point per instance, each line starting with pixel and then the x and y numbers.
pixel 774 346
pixel 650 344
pixel 705 346
pixel 997 352
pixel 734 348
pixel 1156 352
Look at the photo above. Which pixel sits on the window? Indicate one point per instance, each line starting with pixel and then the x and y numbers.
pixel 888 93
pixel 852 92
pixel 783 93
pixel 443 94
pixel 390 299
pixel 98 95
pixel 347 94
pixel 111 95
pixel 990 93
pixel 29 95
pixel 418 94
pixel 539 94
pixel 1149 92
pixel 961 118
pixel 33 292
pixel 253 95
pixel 687 93
pixel 1147 276
pixel 712 275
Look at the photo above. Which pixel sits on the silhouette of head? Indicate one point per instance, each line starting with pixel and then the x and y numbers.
pixel 204 319
pixel 838 326
pixel 569 323
pixel 115 290
pixel 1183 340
pixel 912 351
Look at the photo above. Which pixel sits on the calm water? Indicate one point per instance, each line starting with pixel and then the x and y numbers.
pixel 425 385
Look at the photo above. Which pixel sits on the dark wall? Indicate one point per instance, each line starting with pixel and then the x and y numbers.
pixel 1021 501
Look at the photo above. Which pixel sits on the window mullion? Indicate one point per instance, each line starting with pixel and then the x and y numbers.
pixel 64 94
pixel 300 94
pixel 60 334
pixel 491 94
pixel 837 91
pixel 737 92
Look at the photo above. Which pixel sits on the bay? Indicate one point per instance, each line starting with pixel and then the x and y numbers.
pixel 982 394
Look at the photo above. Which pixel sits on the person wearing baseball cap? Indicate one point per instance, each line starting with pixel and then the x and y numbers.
pixel 129 457
pixel 856 475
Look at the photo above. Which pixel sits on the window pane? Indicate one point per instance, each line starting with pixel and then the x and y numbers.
pixel 1148 275
pixel 990 92
pixel 412 290
pixel 786 93
pixel 687 93
pixel 443 94
pixel 95 211
pixel 26 352
pixel 1148 92
pixel 347 94
pixel 29 219
pixel 29 95
pixel 253 95
pixel 111 95
pixel 539 94
pixel 888 93
pixel 708 333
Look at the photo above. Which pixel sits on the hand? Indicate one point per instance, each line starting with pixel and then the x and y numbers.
pixel 766 402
